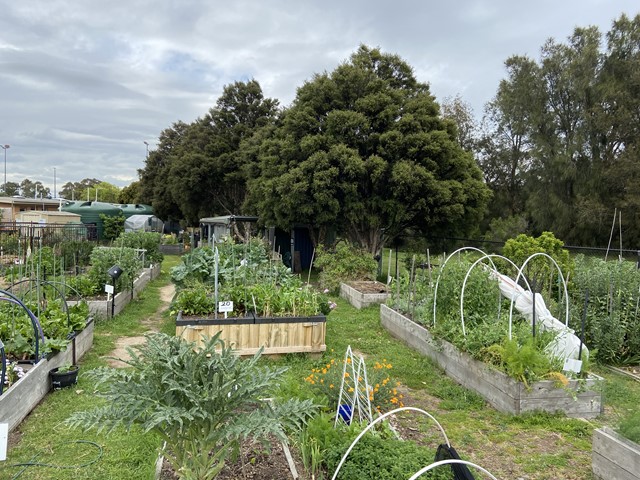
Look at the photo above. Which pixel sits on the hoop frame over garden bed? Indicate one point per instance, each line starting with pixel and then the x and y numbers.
pixel 580 398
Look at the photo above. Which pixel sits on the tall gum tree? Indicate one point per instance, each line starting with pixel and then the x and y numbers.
pixel 365 149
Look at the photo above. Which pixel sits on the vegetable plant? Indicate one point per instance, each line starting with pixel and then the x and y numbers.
pixel 201 402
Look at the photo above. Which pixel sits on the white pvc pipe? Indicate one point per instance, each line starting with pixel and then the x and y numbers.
pixel 564 283
pixel 448 462
pixel 435 292
pixel 378 420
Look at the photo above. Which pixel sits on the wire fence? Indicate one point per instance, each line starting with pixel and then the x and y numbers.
pixel 18 239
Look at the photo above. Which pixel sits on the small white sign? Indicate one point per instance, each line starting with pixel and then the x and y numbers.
pixel 226 306
pixel 108 288
pixel 572 365
pixel 4 436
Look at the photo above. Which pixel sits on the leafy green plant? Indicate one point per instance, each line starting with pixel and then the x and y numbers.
pixel 342 263
pixel 113 225
pixel 103 258
pixel 629 427
pixel 540 269
pixel 201 402
pixel 611 329
pixel 149 241
pixel 384 458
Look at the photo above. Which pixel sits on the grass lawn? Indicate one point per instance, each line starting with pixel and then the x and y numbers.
pixel 534 447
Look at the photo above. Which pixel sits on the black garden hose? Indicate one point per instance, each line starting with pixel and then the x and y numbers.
pixel 34 463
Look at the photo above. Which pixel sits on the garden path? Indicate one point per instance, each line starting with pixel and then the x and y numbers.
pixel 152 324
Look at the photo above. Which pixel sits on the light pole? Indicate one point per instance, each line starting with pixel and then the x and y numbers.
pixel 4 185
pixel 147 144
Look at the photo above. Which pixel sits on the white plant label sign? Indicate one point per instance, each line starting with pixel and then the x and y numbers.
pixel 108 288
pixel 226 306
pixel 572 365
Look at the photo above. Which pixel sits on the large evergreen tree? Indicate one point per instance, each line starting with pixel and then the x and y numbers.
pixel 565 137
pixel 198 168
pixel 365 149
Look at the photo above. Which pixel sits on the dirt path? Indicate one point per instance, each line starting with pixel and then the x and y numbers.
pixel 151 323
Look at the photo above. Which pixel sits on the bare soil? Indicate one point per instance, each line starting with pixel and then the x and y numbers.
pixel 369 286
pixel 255 463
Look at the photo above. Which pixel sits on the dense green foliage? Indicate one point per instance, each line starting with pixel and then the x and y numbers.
pixel 365 149
pixel 201 402
pixel 378 454
pixel 247 277
pixel 198 169
pixel 103 258
pixel 343 263
pixel 563 136
pixel 57 320
pixel 113 226
pixel 149 241
pixel 612 327
pixel 630 427
pixel 540 272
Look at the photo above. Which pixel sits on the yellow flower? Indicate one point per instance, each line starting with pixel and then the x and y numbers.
pixel 346 374
pixel 324 371
pixel 350 389
pixel 331 385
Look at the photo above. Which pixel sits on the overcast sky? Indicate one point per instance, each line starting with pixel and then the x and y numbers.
pixel 83 84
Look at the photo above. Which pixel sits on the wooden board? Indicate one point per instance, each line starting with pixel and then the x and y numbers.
pixel 501 391
pixel 614 457
pixel 276 338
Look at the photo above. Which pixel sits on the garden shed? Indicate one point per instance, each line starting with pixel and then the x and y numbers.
pixel 216 228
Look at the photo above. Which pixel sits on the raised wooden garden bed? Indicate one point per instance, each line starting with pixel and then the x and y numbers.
pixel 614 457
pixel 364 294
pixel 22 397
pixel 578 399
pixel 108 308
pixel 278 335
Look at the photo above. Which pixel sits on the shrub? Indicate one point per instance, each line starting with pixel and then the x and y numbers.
pixel 343 263
pixel 149 241
pixel 112 225
pixel 201 402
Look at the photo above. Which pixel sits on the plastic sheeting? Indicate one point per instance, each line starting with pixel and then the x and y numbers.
pixel 566 344
pixel 143 223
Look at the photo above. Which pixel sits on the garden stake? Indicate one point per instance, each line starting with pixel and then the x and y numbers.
pixel 584 319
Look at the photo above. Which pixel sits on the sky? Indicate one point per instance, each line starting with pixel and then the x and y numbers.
pixel 84 84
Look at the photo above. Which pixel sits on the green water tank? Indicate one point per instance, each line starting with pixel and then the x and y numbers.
pixel 130 209
pixel 90 213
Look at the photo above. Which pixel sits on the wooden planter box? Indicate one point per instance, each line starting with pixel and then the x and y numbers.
pixel 108 308
pixel 360 299
pixel 278 335
pixel 578 399
pixel 22 397
pixel 614 457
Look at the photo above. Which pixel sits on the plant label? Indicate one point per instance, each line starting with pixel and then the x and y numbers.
pixel 226 306
pixel 572 365
pixel 4 436
pixel 108 288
